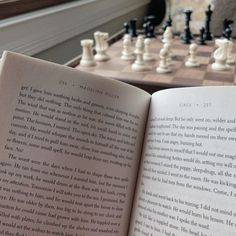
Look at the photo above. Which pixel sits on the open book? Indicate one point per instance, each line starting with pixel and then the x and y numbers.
pixel 82 155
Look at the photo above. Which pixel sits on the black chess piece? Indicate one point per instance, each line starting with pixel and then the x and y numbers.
pixel 168 23
pixel 146 29
pixel 186 36
pixel 227 33
pixel 133 28
pixel 201 40
pixel 151 32
pixel 151 21
pixel 227 28
pixel 126 27
pixel 208 35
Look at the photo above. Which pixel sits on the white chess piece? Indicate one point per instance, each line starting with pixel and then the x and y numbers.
pixel 139 64
pixel 147 56
pixel 167 47
pixel 220 55
pixel 127 53
pixel 192 60
pixel 101 46
pixel 230 55
pixel 163 66
pixel 168 35
pixel 139 46
pixel 87 58
pixel 168 39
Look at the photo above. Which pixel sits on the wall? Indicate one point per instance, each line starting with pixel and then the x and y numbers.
pixel 176 7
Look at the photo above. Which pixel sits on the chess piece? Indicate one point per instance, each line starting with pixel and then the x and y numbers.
pixel 168 35
pixel 146 29
pixel 150 21
pixel 127 53
pixel 168 39
pixel 201 39
pixel 168 23
pixel 227 28
pixel 139 46
pixel 230 55
pixel 163 66
pixel 186 36
pixel 126 28
pixel 220 55
pixel 167 47
pixel 192 60
pixel 133 29
pixel 208 34
pixel 139 64
pixel 227 33
pixel 147 56
pixel 101 46
pixel 87 58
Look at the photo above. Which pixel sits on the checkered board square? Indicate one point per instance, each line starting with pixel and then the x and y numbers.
pixel 179 76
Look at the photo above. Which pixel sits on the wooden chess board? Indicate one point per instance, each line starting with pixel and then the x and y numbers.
pixel 180 75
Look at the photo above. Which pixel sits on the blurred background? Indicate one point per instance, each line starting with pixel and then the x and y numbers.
pixel 52 29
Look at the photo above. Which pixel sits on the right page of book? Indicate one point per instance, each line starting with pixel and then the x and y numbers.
pixel 187 181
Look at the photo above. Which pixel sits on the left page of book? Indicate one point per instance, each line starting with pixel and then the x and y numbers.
pixel 70 144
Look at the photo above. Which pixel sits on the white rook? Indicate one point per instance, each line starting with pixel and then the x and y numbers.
pixel 87 53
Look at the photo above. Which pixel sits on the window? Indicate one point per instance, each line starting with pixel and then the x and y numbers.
pixel 35 32
pixel 14 7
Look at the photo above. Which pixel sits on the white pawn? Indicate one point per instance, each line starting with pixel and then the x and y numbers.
pixel 87 58
pixel 101 46
pixel 168 35
pixel 168 39
pixel 139 64
pixel 192 60
pixel 230 55
pixel 147 56
pixel 163 66
pixel 127 53
pixel 139 46
pixel 168 57
pixel 220 55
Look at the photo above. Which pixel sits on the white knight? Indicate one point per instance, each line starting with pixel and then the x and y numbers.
pixel 101 46
pixel 220 55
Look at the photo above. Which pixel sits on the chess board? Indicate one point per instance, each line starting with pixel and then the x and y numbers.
pixel 179 77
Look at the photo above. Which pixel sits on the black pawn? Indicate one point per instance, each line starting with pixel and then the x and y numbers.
pixel 133 29
pixel 227 33
pixel 126 27
pixel 227 26
pixel 151 21
pixel 201 40
pixel 187 35
pixel 208 34
pixel 146 29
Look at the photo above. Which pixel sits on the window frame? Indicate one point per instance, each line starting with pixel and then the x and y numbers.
pixel 9 8
pixel 34 32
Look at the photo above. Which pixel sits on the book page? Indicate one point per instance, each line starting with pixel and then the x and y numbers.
pixel 70 145
pixel 187 183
